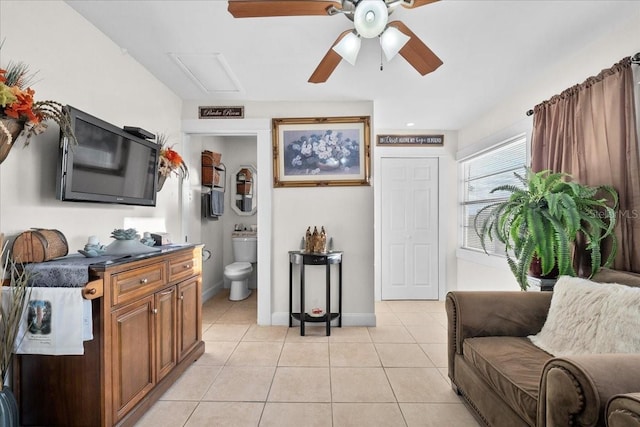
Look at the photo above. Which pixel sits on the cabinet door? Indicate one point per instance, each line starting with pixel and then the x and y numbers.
pixel 132 353
pixel 166 331
pixel 190 312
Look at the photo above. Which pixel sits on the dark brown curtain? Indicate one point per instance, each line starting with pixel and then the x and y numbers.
pixel 589 131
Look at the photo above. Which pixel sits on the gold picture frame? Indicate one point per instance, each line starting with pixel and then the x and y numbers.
pixel 321 151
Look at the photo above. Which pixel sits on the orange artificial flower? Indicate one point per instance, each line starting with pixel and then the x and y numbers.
pixel 23 106
pixel 173 157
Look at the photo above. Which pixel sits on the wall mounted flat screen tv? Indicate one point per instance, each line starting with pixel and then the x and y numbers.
pixel 108 165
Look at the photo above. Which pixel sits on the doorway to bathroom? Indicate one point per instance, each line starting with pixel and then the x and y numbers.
pixel 237 140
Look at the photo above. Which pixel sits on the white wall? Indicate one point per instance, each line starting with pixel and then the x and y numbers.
pixel 476 272
pixel 208 232
pixel 79 66
pixel 346 213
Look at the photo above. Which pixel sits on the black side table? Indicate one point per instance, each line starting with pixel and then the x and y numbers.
pixel 310 258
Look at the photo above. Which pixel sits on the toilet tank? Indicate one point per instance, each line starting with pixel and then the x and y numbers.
pixel 245 249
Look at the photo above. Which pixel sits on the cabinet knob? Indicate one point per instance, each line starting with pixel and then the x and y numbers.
pixel 155 311
pixel 187 266
pixel 182 296
pixel 144 281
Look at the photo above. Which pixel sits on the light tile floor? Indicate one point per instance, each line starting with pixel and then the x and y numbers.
pixel 390 375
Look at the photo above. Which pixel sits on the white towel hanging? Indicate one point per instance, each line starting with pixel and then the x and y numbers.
pixel 53 322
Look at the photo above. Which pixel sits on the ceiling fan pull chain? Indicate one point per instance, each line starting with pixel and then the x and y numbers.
pixel 381 66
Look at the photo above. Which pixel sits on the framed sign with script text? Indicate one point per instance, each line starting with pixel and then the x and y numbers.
pixel 220 112
pixel 410 140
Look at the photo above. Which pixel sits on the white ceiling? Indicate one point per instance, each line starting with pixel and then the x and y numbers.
pixel 489 49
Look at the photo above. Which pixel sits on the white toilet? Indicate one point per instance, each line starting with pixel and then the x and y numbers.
pixel 245 252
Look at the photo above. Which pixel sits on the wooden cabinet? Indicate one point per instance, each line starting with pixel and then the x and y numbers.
pixel 166 337
pixel 147 329
pixel 189 316
pixel 132 354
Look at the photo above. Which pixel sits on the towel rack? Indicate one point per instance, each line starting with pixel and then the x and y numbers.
pixel 93 289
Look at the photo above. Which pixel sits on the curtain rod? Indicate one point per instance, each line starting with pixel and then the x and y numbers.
pixel 635 59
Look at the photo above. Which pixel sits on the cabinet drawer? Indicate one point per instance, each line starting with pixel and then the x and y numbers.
pixel 132 284
pixel 184 266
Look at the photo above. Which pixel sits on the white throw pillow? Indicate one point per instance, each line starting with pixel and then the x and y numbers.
pixel 586 317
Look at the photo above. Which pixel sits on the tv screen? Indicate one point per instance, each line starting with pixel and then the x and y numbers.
pixel 108 165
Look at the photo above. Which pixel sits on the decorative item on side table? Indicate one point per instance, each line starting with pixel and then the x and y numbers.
pixel 543 220
pixel 11 309
pixel 127 243
pixel 20 115
pixel 39 245
pixel 169 162
pixel 93 248
pixel 147 239
pixel 316 242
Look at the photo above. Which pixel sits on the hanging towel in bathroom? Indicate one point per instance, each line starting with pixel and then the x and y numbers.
pixel 206 205
pixel 53 322
pixel 217 203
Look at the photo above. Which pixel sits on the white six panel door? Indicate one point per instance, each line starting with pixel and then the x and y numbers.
pixel 409 216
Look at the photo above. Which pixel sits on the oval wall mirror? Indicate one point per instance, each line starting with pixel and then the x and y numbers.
pixel 243 184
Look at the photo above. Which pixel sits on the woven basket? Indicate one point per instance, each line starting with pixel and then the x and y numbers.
pixel 39 245
pixel 243 188
pixel 211 158
pixel 9 131
pixel 210 177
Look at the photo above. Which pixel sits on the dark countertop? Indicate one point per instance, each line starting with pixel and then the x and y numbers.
pixel 73 270
pixel 100 263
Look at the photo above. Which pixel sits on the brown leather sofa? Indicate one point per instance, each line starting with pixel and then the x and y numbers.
pixel 623 410
pixel 507 381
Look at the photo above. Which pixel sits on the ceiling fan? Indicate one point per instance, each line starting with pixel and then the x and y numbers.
pixel 370 19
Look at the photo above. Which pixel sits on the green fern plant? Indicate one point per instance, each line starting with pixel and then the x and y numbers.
pixel 543 220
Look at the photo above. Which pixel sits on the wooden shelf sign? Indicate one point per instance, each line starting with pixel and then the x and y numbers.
pixel 410 140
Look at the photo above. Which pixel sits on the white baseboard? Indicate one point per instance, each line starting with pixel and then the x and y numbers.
pixel 212 291
pixel 348 319
pixel 359 319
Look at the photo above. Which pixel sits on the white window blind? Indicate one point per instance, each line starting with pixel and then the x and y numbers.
pixel 481 174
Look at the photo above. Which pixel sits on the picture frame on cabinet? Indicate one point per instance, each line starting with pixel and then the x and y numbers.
pixel 321 151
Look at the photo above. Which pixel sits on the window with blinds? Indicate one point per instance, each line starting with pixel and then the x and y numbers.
pixel 481 174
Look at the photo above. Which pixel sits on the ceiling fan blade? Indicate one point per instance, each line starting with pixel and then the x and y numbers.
pixel 328 63
pixel 416 3
pixel 416 52
pixel 260 8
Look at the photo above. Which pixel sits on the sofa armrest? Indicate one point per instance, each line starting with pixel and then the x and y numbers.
pixel 623 410
pixel 574 390
pixel 492 313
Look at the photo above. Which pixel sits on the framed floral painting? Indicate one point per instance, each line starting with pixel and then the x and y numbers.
pixel 323 151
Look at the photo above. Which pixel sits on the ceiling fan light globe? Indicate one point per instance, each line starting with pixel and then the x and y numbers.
pixel 370 18
pixel 348 48
pixel 391 41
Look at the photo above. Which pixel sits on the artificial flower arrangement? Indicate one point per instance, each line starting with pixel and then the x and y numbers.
pixel 170 161
pixel 19 112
